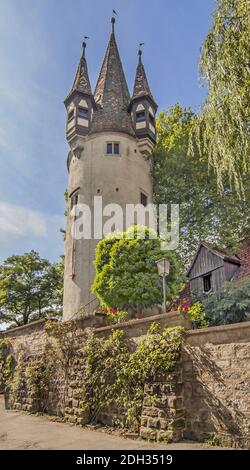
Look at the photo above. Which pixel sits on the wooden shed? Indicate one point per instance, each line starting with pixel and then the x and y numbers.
pixel 210 269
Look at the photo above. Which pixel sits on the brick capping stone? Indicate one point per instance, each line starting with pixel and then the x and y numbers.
pixel 25 329
pixel 139 327
pixel 219 334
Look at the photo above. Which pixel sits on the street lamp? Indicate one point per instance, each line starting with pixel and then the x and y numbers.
pixel 163 266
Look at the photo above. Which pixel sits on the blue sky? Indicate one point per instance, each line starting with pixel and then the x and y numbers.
pixel 40 46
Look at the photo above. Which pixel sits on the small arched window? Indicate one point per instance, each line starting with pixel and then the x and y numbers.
pixel 74 198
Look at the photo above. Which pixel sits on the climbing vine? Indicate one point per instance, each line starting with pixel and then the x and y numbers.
pixel 64 339
pixel 108 374
pixel 117 370
pixel 39 375
pixel 6 364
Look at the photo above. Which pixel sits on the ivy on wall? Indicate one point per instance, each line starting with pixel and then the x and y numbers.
pixel 110 372
pixel 38 375
pixel 6 365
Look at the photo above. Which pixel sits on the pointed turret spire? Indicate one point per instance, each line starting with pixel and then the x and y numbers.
pixel 111 93
pixel 142 105
pixel 141 86
pixel 80 101
pixel 81 82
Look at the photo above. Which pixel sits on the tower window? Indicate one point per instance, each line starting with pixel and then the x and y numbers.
pixel 151 119
pixel 140 116
pixel 71 115
pixel 110 149
pixel 116 149
pixel 144 199
pixel 74 198
pixel 113 148
pixel 83 112
pixel 207 284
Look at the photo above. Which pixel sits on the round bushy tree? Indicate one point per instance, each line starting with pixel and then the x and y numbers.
pixel 126 272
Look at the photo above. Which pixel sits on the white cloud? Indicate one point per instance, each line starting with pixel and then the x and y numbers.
pixel 19 220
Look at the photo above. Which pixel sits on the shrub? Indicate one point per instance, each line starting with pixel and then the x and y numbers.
pixel 230 305
pixel 126 271
pixel 196 314
pixel 114 315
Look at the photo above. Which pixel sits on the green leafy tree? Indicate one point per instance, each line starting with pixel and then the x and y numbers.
pixel 126 272
pixel 221 218
pixel 222 129
pixel 30 289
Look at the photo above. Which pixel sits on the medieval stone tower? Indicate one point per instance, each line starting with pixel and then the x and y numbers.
pixel 111 138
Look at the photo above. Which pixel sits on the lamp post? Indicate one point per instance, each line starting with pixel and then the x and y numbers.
pixel 163 266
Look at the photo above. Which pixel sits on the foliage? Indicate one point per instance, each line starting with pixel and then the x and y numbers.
pixel 115 376
pixel 17 382
pixel 230 305
pixel 6 364
pixel 214 441
pixel 114 370
pixel 196 314
pixel 38 375
pixel 126 271
pixel 114 315
pixel 30 289
pixel 222 129
pixel 23 375
pixel 155 355
pixel 181 178
pixel 105 360
pixel 64 335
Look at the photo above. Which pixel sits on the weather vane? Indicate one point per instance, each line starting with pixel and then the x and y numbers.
pixel 84 44
pixel 113 21
pixel 140 51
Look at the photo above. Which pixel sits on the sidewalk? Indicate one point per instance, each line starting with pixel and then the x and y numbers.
pixel 19 430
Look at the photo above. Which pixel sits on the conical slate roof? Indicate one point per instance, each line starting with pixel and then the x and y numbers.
pixel 111 94
pixel 141 86
pixel 81 82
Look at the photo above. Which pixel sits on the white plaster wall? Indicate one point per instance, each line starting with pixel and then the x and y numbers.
pixel 130 172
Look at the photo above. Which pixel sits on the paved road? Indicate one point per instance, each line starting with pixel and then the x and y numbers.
pixel 19 430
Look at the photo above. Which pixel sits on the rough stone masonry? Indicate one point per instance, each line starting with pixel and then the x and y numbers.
pixel 206 397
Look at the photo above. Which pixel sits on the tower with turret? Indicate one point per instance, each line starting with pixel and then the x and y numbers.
pixel 111 136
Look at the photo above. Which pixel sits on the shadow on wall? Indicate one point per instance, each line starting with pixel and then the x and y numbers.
pixel 216 392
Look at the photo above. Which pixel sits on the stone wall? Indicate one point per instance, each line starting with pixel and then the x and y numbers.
pixel 163 413
pixel 63 397
pixel 210 395
pixel 216 388
pixel 206 396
